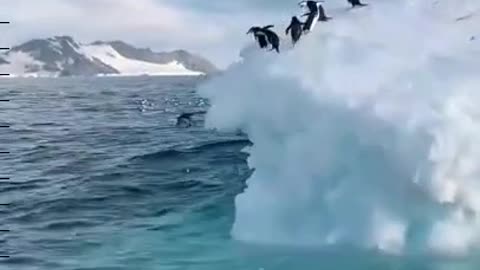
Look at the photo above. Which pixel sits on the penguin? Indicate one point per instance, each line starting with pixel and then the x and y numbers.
pixel 315 6
pixel 356 3
pixel 273 39
pixel 312 19
pixel 185 119
pixel 271 36
pixel 311 5
pixel 313 14
pixel 259 35
pixel 295 29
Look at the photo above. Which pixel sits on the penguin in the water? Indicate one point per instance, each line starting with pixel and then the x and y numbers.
pixel 312 19
pixel 271 36
pixel 356 3
pixel 295 29
pixel 185 119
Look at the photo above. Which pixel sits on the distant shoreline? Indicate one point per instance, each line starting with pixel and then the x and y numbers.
pixel 106 76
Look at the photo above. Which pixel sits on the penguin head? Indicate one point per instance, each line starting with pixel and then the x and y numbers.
pixel 253 29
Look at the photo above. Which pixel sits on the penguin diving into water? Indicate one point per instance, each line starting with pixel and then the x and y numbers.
pixel 295 29
pixel 185 119
pixel 267 34
pixel 356 3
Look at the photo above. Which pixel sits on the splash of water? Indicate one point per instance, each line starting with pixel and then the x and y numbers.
pixel 367 133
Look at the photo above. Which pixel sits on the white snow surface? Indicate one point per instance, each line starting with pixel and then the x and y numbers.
pixel 130 67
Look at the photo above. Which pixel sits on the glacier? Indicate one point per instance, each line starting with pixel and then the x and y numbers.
pixel 131 67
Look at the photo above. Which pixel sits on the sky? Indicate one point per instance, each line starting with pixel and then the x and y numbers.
pixel 212 28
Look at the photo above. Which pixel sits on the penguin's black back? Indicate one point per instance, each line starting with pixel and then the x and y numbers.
pixel 262 41
pixel 296 29
pixel 273 39
pixel 308 23
pixel 312 6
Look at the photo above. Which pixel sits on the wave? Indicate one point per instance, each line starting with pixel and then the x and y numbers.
pixel 365 134
pixel 176 152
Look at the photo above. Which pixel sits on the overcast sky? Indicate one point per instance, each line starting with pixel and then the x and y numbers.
pixel 213 28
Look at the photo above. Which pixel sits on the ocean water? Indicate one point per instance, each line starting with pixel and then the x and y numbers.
pixel 101 178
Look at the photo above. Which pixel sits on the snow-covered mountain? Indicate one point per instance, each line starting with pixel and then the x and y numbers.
pixel 62 56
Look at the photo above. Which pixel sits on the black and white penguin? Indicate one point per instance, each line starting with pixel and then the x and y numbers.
pixel 185 119
pixel 311 5
pixel 312 19
pixel 315 6
pixel 271 36
pixel 295 29
pixel 259 36
pixel 315 13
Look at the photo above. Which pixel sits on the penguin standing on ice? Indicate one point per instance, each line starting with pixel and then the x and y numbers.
pixel 295 29
pixel 259 36
pixel 315 13
pixel 356 3
pixel 271 36
pixel 311 5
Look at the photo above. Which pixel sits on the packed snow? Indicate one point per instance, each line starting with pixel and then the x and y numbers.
pixel 18 64
pixel 131 67
pixel 21 63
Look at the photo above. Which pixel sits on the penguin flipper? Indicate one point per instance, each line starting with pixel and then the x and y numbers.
pixel 288 29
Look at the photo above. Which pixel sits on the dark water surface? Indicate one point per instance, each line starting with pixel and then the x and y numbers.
pixel 101 178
